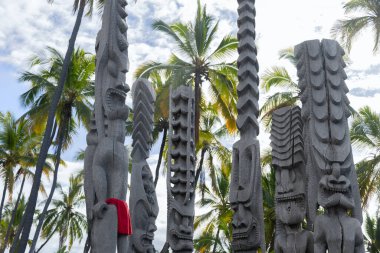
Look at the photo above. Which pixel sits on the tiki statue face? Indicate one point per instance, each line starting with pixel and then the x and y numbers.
pixel 145 212
pixel 290 194
pixel 335 188
pixel 245 233
pixel 181 231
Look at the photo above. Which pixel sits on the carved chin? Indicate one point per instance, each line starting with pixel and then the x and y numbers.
pixel 244 241
pixel 335 194
pixel 144 242
pixel 243 244
pixel 292 211
pixel 182 241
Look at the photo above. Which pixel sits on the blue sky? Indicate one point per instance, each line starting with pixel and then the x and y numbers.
pixel 28 27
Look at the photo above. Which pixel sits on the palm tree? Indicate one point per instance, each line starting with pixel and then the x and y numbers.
pixel 79 7
pixel 268 180
pixel 209 145
pixel 73 109
pixel 198 63
pixel 17 151
pixel 365 134
pixel 8 227
pixel 216 236
pixel 65 218
pixel 279 78
pixel 372 237
pixel 367 18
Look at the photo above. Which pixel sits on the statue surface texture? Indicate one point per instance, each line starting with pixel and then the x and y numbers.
pixel 181 164
pixel 245 190
pixel 143 200
pixel 289 164
pixel 106 159
pixel 332 181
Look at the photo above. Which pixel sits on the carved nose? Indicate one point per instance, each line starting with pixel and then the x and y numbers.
pixel 184 228
pixel 287 179
pixel 240 218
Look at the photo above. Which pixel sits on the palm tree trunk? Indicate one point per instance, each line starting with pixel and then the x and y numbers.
pixel 166 247
pixel 53 186
pixel 17 236
pixel 3 197
pixel 199 170
pixel 164 135
pixel 216 240
pixel 32 202
pixel 14 211
pixel 198 82
pixel 47 240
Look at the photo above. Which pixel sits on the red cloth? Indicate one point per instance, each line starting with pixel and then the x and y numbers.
pixel 124 225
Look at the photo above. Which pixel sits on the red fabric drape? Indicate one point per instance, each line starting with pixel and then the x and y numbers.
pixel 124 224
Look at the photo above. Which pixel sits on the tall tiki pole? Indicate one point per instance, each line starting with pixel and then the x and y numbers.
pixel 180 173
pixel 143 200
pixel 106 159
pixel 332 179
pixel 246 191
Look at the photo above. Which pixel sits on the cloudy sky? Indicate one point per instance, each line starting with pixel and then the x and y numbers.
pixel 28 27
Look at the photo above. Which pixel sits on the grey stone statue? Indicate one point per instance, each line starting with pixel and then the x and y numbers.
pixel 330 166
pixel 181 164
pixel 245 189
pixel 289 164
pixel 106 159
pixel 143 201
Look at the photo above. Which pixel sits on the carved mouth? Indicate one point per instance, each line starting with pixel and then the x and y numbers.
pixel 181 236
pixel 118 92
pixel 335 189
pixel 147 239
pixel 245 234
pixel 298 197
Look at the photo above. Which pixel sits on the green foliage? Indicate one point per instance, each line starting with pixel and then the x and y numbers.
pixel 365 135
pixel 8 209
pixel 278 79
pixel 372 234
pixel 195 61
pixel 367 17
pixel 75 105
pixel 65 218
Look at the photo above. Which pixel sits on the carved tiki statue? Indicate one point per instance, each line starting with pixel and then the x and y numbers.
pixel 332 181
pixel 289 164
pixel 245 189
pixel 143 200
pixel 181 164
pixel 106 159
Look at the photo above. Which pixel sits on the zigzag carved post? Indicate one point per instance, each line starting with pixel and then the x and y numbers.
pixel 246 190
pixel 331 170
pixel 181 174
pixel 143 200
pixel 106 159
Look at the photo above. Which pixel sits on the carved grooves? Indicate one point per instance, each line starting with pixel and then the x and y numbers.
pixel 286 137
pixel 181 164
pixel 143 106
pixel 111 61
pixel 248 108
pixel 323 94
pixel 119 38
pixel 182 152
pixel 325 111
